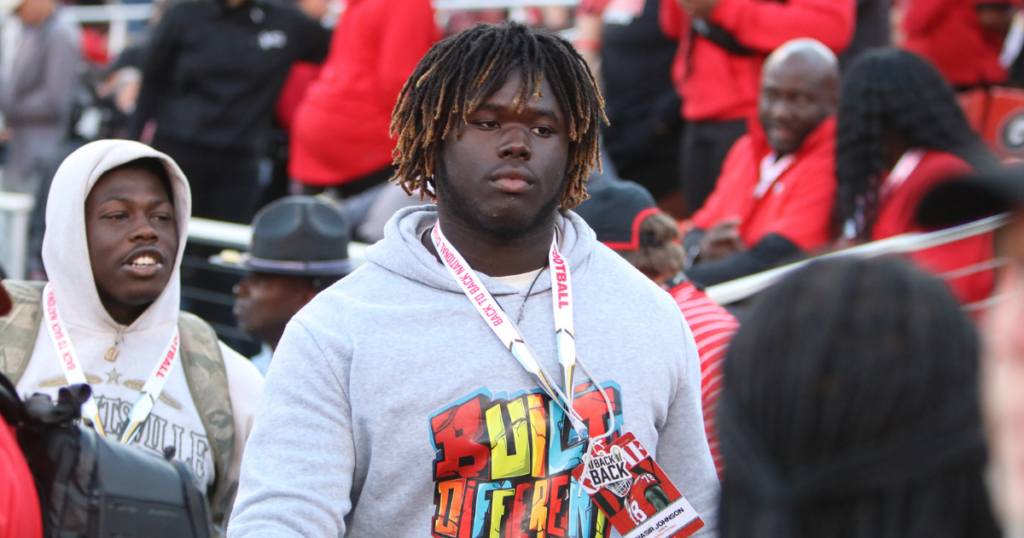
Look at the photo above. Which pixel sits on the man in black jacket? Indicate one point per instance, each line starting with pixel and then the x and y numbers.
pixel 212 75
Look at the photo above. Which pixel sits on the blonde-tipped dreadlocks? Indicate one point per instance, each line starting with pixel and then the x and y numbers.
pixel 459 73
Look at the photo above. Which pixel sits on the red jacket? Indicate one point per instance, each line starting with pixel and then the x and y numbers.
pixel 713 328
pixel 341 128
pixel 302 75
pixel 947 33
pixel 896 216
pixel 799 204
pixel 717 85
pixel 19 505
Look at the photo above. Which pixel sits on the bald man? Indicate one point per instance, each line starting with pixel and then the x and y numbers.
pixel 773 200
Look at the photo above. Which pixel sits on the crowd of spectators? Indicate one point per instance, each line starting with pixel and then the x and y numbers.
pixel 741 135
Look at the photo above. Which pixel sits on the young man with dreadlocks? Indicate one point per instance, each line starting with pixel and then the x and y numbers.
pixel 394 406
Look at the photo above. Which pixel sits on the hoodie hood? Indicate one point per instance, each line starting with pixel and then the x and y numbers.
pixel 402 251
pixel 65 248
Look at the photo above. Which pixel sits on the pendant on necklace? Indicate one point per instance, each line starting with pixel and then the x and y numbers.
pixel 111 355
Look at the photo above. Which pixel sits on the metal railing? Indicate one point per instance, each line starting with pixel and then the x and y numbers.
pixel 742 288
pixel 237 236
pixel 16 210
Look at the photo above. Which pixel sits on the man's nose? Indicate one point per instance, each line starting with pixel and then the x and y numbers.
pixel 780 109
pixel 515 143
pixel 145 231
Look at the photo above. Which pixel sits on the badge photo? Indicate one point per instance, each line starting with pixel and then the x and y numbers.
pixel 634 493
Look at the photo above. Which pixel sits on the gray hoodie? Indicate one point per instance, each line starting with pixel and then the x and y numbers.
pixel 391 409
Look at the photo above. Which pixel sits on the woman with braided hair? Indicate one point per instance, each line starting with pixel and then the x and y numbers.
pixel 900 132
pixel 850 410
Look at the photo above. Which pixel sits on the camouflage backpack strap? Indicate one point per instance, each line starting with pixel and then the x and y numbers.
pixel 208 382
pixel 19 328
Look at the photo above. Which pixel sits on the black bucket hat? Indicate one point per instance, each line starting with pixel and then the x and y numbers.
pixel 296 235
pixel 971 198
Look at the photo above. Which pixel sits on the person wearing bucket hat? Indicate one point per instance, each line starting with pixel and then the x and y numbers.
pixel 626 219
pixel 299 247
pixel 1002 359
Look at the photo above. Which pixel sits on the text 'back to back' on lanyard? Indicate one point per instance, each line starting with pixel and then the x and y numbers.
pixel 74 373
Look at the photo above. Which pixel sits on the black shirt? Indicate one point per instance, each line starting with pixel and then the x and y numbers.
pixel 871 30
pixel 636 60
pixel 213 73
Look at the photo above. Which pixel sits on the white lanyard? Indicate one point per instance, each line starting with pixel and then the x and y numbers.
pixel 507 331
pixel 561 302
pixel 904 167
pixel 75 375
pixel 771 168
pixel 510 335
pixel 899 175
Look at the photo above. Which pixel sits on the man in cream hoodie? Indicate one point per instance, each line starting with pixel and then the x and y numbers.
pixel 116 225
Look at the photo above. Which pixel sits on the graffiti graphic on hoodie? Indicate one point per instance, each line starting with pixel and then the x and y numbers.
pixel 192 448
pixel 503 465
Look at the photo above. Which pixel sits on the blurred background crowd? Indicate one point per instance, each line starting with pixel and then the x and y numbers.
pixel 829 143
pixel 257 100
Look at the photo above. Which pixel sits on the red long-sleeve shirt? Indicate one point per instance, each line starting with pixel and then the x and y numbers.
pixel 896 216
pixel 340 130
pixel 797 206
pixel 717 85
pixel 713 328
pixel 301 77
pixel 19 505
pixel 948 33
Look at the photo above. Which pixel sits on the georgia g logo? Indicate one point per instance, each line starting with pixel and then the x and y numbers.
pixel 1012 134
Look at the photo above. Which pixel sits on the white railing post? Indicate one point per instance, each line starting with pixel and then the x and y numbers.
pixel 10 35
pixel 117 37
pixel 15 245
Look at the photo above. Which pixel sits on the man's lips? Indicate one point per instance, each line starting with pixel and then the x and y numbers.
pixel 777 131
pixel 144 263
pixel 512 185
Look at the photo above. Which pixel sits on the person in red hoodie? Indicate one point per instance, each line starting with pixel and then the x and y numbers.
pixel 900 133
pixel 774 197
pixel 340 133
pixel 722 45
pixel 963 38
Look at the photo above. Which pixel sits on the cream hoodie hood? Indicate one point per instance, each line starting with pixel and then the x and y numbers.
pixel 66 253
pixel 116 384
